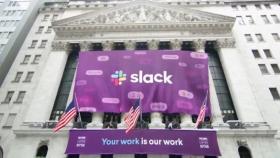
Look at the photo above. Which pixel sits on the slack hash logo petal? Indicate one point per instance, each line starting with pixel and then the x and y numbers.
pixel 118 77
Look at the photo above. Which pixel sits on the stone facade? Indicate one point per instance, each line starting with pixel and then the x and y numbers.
pixel 84 23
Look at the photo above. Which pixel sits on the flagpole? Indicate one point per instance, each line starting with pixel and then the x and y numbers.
pixel 78 110
pixel 206 97
pixel 141 118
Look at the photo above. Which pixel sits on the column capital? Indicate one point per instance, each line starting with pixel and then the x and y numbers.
pixel 176 44
pixel 199 44
pixel 85 45
pixel 60 46
pixel 226 43
pixel 153 44
pixel 130 45
pixel 107 45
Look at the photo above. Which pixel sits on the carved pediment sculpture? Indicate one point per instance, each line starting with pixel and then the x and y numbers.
pixel 141 14
pixel 144 15
pixel 137 13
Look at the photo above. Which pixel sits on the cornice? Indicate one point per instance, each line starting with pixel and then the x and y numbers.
pixel 149 8
pixel 193 28
pixel 247 133
pixel 87 5
pixel 220 132
pixel 226 43
pixel 60 46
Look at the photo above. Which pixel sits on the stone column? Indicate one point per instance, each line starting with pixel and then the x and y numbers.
pixel 130 45
pixel 123 156
pixel 97 117
pixel 238 82
pixel 47 87
pixel 200 45
pixel 217 118
pixel 186 119
pixel 156 117
pixel 156 121
pixel 107 45
pixel 176 44
pixel 85 46
pixel 122 126
pixel 153 44
pixel 97 120
pixel 89 156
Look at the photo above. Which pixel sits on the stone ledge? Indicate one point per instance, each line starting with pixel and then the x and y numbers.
pixel 247 132
pixel 28 131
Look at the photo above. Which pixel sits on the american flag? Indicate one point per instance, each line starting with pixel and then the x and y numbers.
pixel 69 113
pixel 131 117
pixel 202 112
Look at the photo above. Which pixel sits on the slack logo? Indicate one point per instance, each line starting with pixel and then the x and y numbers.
pixel 118 77
pixel 151 78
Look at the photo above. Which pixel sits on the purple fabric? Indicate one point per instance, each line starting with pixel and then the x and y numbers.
pixel 150 141
pixel 175 81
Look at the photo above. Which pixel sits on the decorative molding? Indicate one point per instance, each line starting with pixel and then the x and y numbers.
pixel 176 44
pixel 199 44
pixel 107 45
pixel 246 132
pixel 130 45
pixel 226 43
pixel 153 44
pixel 60 46
pixel 85 46
pixel 145 16
pixel 141 14
pixel 242 143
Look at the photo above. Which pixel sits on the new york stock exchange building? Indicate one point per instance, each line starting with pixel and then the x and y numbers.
pixel 170 59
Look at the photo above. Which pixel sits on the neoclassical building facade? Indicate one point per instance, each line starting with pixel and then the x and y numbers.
pixel 240 37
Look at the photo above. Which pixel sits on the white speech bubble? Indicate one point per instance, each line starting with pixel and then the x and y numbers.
pixel 135 95
pixel 127 57
pixel 170 57
pixel 89 109
pixel 158 106
pixel 111 100
pixel 199 66
pixel 140 52
pixel 103 58
pixel 81 82
pixel 199 55
pixel 94 72
pixel 182 64
pixel 185 94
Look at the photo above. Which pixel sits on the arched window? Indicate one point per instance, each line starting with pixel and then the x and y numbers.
pixel 1 152
pixel 244 152
pixel 42 151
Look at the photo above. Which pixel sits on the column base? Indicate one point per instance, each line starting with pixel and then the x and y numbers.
pixel 121 125
pixel 220 125
pixel 123 156
pixel 187 125
pixel 95 125
pixel 157 125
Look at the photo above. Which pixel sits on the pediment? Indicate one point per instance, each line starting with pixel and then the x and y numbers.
pixel 144 12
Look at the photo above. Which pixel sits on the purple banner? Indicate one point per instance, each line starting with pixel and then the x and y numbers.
pixel 166 81
pixel 149 141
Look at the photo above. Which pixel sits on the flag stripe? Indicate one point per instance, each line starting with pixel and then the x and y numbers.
pixel 131 118
pixel 69 113
pixel 202 112
pixel 68 117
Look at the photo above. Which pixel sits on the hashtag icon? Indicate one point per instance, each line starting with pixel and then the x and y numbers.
pixel 118 77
